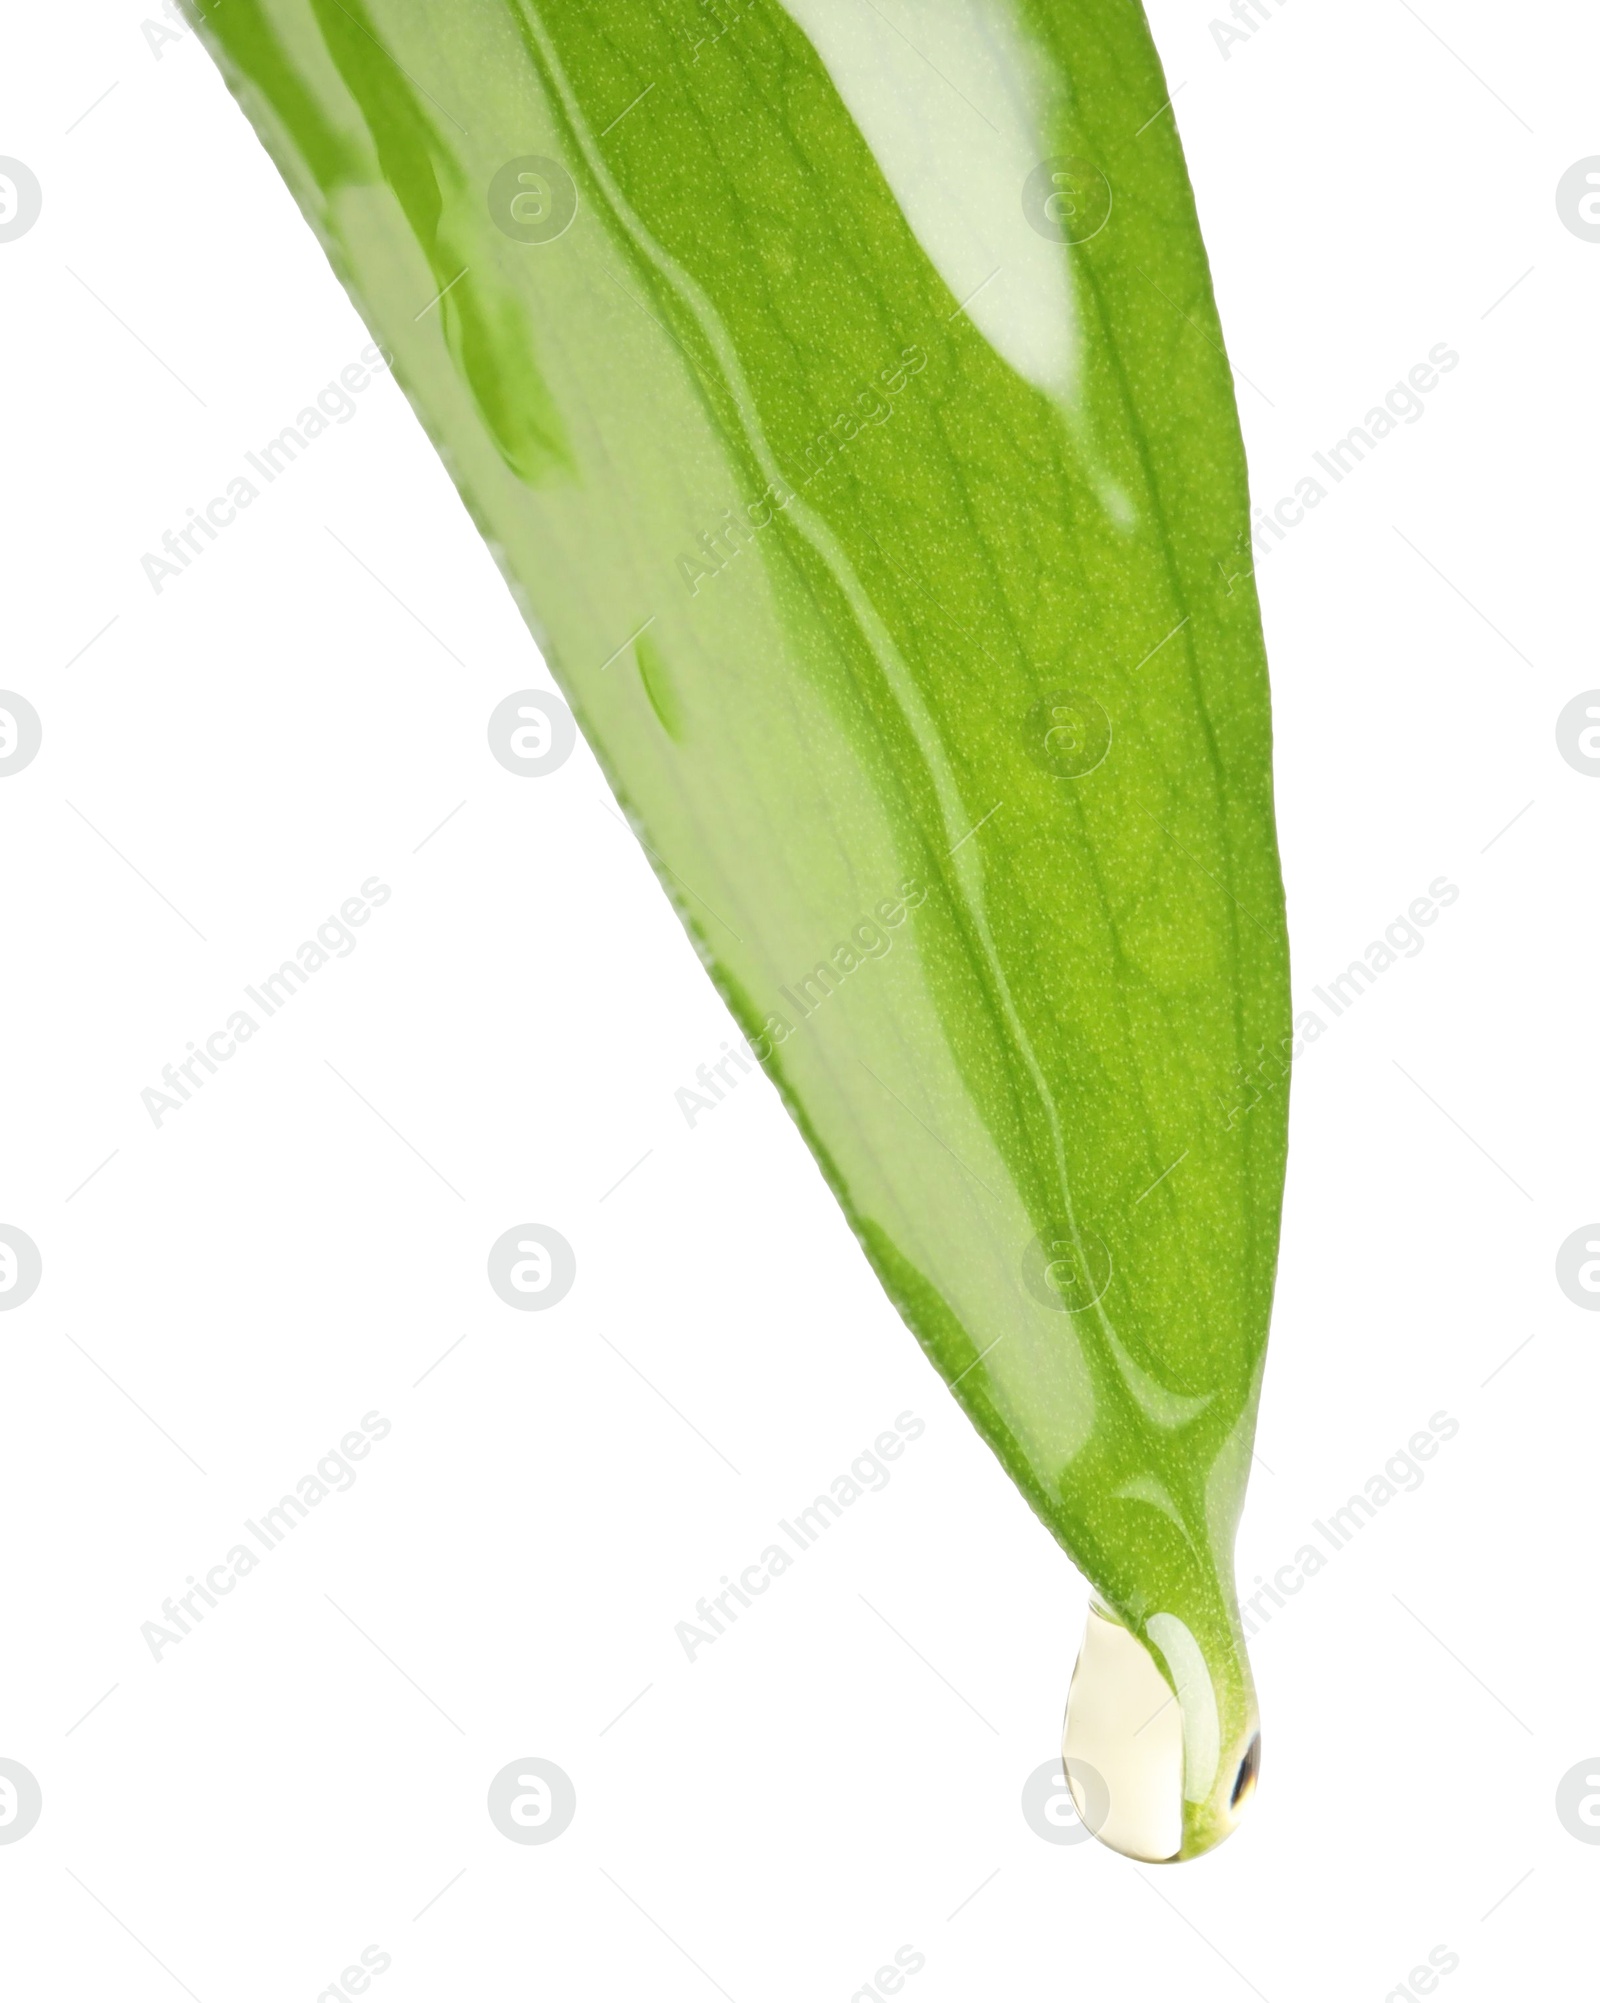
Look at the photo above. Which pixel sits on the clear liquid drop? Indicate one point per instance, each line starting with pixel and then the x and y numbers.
pixel 1129 1748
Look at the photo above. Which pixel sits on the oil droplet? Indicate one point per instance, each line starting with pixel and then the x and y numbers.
pixel 1135 1752
pixel 1123 1725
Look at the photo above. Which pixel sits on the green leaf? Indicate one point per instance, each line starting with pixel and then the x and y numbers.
pixel 841 389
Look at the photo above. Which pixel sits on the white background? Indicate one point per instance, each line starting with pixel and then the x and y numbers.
pixel 226 762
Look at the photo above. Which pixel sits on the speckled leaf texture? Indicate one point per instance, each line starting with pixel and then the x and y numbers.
pixel 840 389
